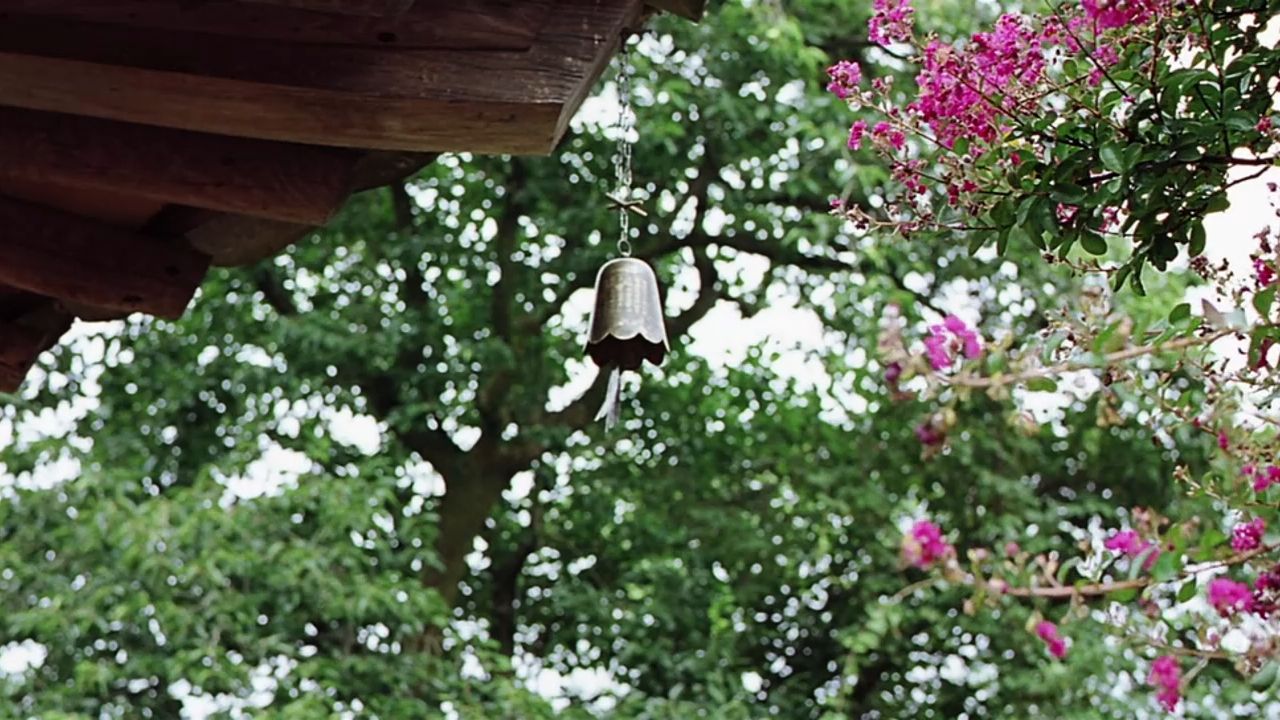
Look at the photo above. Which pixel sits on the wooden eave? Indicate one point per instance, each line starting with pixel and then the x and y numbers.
pixel 142 141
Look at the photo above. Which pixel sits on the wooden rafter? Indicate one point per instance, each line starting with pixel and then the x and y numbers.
pixel 79 261
pixel 292 183
pixel 456 24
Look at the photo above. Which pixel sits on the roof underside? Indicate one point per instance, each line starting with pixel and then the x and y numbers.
pixel 144 140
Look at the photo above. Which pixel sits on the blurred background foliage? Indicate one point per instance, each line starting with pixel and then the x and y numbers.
pixel 730 552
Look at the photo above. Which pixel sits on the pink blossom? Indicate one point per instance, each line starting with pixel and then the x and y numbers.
pixel 953 336
pixel 929 435
pixel 1263 478
pixel 888 134
pixel 1066 213
pixel 1110 219
pixel 845 76
pixel 1166 677
pixel 856 133
pixel 1053 641
pixel 1264 124
pixel 1104 56
pixel 1224 442
pixel 1228 596
pixel 967 92
pixel 890 21
pixel 1107 14
pixel 1248 536
pixel 923 545
pixel 1266 592
pixel 1264 272
pixel 1128 544
pixel 893 373
pixel 1012 549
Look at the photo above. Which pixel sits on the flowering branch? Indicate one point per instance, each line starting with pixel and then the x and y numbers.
pixel 1114 358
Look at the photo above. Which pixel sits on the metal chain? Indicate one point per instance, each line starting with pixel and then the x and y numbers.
pixel 622 159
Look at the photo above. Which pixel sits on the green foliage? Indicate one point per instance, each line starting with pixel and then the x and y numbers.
pixel 742 523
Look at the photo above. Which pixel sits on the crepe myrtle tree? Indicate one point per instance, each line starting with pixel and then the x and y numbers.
pixel 212 526
pixel 1101 133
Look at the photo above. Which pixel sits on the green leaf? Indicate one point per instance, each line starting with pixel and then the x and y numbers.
pixel 1112 157
pixel 1263 300
pixel 1198 238
pixel 1069 193
pixel 1187 591
pixel 1043 384
pixel 1124 596
pixel 1266 676
pixel 1179 313
pixel 1093 243
pixel 1166 566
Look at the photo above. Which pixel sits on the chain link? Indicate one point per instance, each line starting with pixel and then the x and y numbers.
pixel 622 159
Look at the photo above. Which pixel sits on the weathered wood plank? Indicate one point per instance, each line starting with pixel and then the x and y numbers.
pixel 70 258
pixel 692 9
pixel 233 240
pixel 367 8
pixel 595 48
pixel 293 183
pixel 274 112
pixel 429 100
pixel 104 204
pixel 456 24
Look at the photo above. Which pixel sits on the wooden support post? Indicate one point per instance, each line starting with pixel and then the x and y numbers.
pixel 70 258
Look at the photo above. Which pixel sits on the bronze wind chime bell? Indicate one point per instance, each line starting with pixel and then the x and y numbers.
pixel 627 325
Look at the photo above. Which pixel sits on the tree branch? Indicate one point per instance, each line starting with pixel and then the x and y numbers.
pixel 273 290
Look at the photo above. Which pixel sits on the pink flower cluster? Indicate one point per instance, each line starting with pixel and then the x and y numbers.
pixel 947 339
pixel 1166 677
pixel 884 135
pixel 845 77
pixel 969 91
pixel 1264 272
pixel 1053 641
pixel 929 435
pixel 890 21
pixel 1228 596
pixel 1262 478
pixel 1266 592
pixel 1107 14
pixel 1128 544
pixel 1248 536
pixel 924 545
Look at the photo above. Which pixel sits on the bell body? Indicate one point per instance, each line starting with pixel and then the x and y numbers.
pixel 627 325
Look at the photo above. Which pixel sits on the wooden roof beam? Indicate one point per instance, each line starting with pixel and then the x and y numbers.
pixel 23 339
pixel 277 181
pixel 692 9
pixel 424 100
pixel 82 262
pixel 367 8
pixel 443 24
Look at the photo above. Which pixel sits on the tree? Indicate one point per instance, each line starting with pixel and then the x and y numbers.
pixel 1104 133
pixel 741 522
